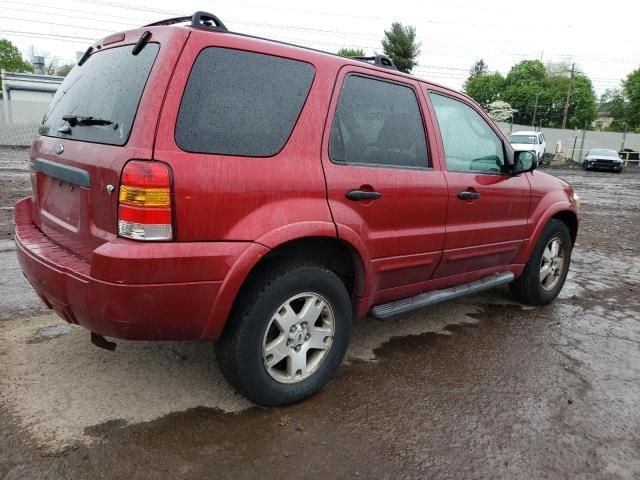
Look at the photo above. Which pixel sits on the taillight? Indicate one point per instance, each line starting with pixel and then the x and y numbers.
pixel 145 208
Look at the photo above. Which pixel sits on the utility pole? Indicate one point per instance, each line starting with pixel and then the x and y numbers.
pixel 584 134
pixel 535 110
pixel 566 105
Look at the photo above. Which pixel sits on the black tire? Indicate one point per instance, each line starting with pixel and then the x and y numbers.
pixel 528 288
pixel 584 166
pixel 240 348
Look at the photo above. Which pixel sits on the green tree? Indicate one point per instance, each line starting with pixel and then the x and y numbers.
pixel 351 52
pixel 613 104
pixel 401 46
pixel 523 83
pixel 64 70
pixel 533 89
pixel 477 69
pixel 485 88
pixel 631 89
pixel 582 107
pixel 11 59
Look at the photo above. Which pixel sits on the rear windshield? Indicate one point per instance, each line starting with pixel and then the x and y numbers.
pixel 241 103
pixel 107 87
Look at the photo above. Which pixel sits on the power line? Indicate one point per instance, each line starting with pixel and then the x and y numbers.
pixel 60 24
pixel 101 15
pixel 122 5
pixel 49 36
pixel 66 15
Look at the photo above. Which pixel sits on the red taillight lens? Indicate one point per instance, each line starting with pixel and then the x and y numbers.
pixel 145 206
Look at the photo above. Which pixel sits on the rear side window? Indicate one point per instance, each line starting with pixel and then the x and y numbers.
pixel 377 123
pixel 241 103
pixel 108 86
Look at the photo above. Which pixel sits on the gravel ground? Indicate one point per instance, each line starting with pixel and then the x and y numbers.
pixel 478 388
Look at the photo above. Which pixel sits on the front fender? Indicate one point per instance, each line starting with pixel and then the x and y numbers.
pixel 540 218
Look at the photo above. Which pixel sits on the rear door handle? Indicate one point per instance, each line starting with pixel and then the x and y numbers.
pixel 466 195
pixel 362 195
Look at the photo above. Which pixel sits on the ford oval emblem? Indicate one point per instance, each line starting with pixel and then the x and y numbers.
pixel 59 148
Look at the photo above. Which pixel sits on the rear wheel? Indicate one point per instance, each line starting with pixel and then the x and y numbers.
pixel 546 271
pixel 287 334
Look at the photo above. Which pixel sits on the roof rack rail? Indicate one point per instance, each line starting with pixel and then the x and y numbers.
pixel 204 20
pixel 169 21
pixel 379 60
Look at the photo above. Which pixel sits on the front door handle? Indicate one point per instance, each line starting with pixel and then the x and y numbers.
pixel 363 195
pixel 466 195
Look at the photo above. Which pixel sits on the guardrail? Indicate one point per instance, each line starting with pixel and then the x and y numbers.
pixel 625 157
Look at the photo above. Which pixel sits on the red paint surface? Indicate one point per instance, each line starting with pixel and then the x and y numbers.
pixel 230 211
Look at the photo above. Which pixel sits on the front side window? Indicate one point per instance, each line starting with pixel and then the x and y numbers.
pixel 377 123
pixel 470 145
pixel 241 103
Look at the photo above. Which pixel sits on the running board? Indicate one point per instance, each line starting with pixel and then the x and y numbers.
pixel 388 310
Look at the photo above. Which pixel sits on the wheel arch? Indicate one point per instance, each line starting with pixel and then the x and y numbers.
pixel 337 255
pixel 562 211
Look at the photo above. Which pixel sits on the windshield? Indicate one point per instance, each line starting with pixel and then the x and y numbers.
pixel 103 93
pixel 603 152
pixel 527 139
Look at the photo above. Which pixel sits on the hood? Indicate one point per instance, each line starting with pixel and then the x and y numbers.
pixel 524 147
pixel 550 179
pixel 603 157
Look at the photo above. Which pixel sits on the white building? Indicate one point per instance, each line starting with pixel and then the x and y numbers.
pixel 26 96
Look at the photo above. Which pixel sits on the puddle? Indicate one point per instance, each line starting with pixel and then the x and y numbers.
pixel 52 331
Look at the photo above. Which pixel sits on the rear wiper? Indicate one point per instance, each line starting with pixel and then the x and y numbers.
pixel 74 120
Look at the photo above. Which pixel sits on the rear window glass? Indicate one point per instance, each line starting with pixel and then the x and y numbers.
pixel 108 86
pixel 241 103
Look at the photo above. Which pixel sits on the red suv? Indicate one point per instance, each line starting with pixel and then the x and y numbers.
pixel 190 183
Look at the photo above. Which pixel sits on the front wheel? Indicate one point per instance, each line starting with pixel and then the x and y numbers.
pixel 546 271
pixel 287 334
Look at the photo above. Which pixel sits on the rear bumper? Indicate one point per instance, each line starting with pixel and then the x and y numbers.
pixel 129 290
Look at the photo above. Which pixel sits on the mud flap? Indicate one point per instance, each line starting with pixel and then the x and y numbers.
pixel 100 341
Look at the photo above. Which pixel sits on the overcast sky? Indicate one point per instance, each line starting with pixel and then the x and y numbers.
pixel 603 38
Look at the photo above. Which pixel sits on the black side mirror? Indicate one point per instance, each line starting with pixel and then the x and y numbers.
pixel 524 161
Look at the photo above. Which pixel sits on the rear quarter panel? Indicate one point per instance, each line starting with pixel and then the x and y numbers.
pixel 232 198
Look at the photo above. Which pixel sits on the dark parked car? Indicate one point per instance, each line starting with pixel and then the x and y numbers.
pixel 602 159
pixel 190 183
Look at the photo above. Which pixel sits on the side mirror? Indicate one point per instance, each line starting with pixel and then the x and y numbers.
pixel 524 161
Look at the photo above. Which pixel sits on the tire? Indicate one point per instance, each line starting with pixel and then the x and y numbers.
pixel 259 324
pixel 584 166
pixel 532 288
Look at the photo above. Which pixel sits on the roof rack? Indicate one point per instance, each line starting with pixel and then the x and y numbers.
pixel 203 20
pixel 379 60
pixel 208 21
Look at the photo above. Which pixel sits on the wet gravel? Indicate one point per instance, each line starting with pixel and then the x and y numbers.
pixel 478 388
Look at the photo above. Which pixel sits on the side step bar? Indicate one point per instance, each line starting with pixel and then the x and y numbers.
pixel 388 310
